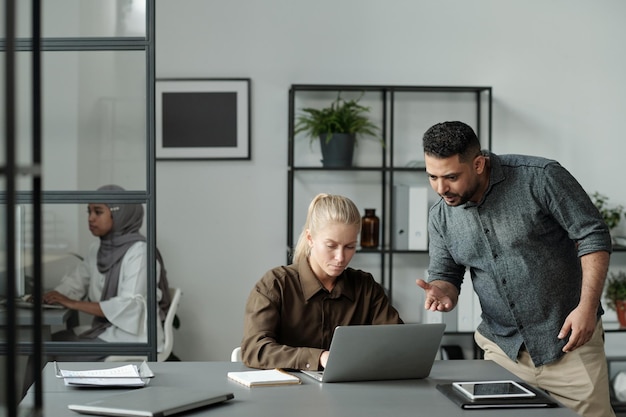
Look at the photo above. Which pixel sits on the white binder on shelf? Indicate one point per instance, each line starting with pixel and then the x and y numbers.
pixel 478 311
pixel 465 306
pixel 410 228
pixel 449 319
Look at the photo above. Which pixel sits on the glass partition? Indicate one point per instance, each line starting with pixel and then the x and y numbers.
pixel 70 258
pixel 17 275
pixel 94 119
pixel 68 236
pixel 81 245
pixel 95 73
pixel 84 18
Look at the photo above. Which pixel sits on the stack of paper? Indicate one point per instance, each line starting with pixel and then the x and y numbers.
pixel 122 376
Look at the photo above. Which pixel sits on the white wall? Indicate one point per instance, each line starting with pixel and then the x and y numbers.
pixel 557 71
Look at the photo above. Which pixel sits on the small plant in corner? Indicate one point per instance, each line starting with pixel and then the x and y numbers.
pixel 342 116
pixel 615 289
pixel 611 215
pixel 615 294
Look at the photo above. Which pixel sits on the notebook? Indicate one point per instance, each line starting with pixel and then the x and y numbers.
pixel 151 402
pixel 381 352
pixel 264 378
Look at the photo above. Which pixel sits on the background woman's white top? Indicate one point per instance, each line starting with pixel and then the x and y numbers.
pixel 127 310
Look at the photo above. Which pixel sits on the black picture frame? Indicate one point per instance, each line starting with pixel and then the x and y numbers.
pixel 202 118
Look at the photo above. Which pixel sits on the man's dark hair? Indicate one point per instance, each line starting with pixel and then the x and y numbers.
pixel 447 139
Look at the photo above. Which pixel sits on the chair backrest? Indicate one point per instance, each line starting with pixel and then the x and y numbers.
pixel 168 334
pixel 168 325
pixel 235 356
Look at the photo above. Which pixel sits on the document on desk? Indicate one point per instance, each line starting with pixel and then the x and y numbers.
pixel 121 376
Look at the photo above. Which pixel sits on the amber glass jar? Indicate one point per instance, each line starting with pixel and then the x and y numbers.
pixel 370 229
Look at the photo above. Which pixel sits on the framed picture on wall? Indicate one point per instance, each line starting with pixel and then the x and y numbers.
pixel 202 118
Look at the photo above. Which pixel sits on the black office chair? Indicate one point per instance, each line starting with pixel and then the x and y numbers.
pixel 451 352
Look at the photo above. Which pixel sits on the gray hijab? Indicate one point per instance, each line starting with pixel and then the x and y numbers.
pixel 127 220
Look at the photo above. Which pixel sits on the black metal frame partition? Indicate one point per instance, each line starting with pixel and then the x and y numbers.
pixel 9 170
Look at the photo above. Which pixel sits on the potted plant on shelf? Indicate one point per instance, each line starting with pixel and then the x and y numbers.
pixel 611 215
pixel 337 127
pixel 615 294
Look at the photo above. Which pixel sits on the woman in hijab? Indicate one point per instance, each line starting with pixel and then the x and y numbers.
pixel 111 282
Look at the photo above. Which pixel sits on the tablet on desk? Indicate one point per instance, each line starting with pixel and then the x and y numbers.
pixel 476 390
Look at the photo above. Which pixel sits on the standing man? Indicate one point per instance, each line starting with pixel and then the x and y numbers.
pixel 538 253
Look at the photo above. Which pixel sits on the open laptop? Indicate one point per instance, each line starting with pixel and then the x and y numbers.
pixel 151 402
pixel 381 352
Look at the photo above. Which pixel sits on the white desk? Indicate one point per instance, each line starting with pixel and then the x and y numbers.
pixel 24 334
pixel 49 316
pixel 24 322
pixel 412 398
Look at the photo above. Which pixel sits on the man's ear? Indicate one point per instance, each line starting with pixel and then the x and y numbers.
pixel 479 164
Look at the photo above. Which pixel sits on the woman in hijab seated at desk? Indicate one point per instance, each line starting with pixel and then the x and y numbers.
pixel 111 282
pixel 292 310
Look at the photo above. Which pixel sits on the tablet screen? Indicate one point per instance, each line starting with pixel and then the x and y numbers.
pixel 492 389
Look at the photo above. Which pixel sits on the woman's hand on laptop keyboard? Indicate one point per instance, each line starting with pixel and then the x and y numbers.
pixel 324 358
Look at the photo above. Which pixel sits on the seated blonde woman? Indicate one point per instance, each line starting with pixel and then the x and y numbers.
pixel 292 310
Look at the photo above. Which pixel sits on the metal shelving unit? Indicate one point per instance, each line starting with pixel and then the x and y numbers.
pixel 386 170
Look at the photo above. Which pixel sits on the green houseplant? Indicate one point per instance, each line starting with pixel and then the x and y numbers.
pixel 615 294
pixel 337 127
pixel 611 215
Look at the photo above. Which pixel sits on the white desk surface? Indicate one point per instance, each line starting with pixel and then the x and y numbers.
pixel 385 398
pixel 49 317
